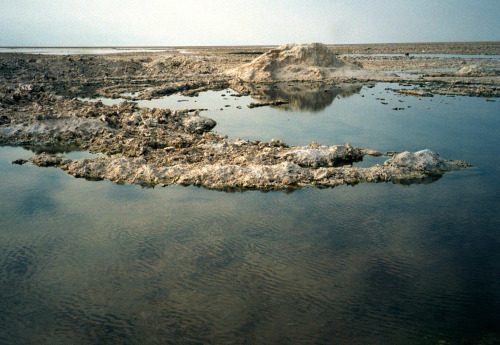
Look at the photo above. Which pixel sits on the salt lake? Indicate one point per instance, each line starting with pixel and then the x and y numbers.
pixel 86 262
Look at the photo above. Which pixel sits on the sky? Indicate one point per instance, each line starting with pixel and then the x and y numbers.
pixel 244 22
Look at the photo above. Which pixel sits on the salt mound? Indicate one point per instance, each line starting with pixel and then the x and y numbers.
pixel 424 160
pixel 297 62
pixel 471 71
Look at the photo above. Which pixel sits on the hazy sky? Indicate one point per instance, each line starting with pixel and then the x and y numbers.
pixel 244 22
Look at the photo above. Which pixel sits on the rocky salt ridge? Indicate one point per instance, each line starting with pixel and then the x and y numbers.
pixel 158 146
pixel 405 167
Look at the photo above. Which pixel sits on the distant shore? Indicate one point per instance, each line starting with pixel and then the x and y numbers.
pixel 466 48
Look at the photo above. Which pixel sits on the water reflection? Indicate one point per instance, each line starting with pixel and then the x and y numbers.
pixel 309 97
pixel 110 264
pixel 100 263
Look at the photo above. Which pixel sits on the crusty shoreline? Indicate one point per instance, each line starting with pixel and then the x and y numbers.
pixel 38 106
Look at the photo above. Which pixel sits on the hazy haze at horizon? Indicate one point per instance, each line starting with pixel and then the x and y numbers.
pixel 250 22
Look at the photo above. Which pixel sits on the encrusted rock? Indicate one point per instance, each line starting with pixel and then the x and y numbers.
pixel 47 160
pixel 317 156
pixel 404 167
pixel 198 124
pixel 51 129
pixel 425 160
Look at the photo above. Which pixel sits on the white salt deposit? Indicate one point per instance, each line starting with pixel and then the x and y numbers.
pixel 298 62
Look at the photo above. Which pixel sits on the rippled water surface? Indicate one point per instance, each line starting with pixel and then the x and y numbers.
pixel 86 262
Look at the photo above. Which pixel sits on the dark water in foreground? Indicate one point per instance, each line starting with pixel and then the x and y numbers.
pixel 98 263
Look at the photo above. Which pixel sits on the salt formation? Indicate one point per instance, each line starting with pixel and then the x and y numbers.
pixel 471 71
pixel 298 62
pixel 304 167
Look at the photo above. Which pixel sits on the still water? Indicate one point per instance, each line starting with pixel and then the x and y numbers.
pixel 432 56
pixel 99 263
pixel 82 50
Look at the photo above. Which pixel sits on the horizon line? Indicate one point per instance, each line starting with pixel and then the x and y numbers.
pixel 242 45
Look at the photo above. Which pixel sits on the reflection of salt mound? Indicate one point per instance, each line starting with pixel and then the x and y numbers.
pixel 304 96
pixel 297 62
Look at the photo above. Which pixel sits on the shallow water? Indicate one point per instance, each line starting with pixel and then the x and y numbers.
pixel 82 50
pixel 435 56
pixel 94 262
pixel 362 116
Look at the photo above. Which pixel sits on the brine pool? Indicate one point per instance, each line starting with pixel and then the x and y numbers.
pixel 85 262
